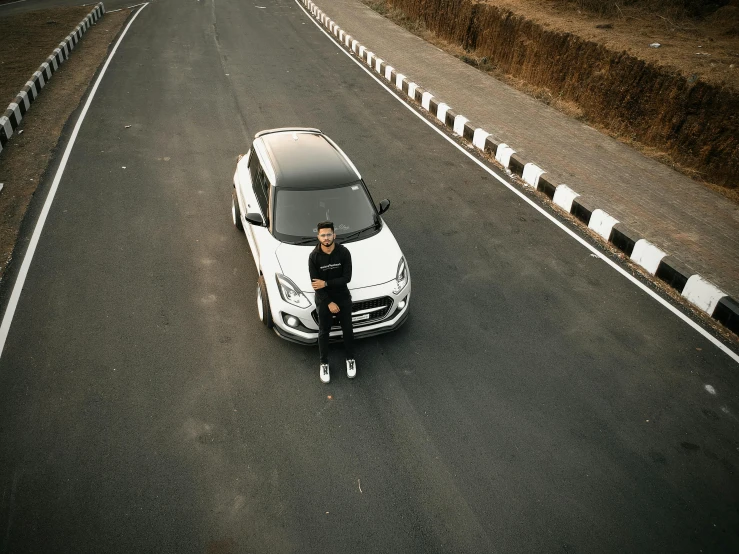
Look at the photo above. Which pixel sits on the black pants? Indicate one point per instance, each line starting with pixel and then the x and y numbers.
pixel 325 319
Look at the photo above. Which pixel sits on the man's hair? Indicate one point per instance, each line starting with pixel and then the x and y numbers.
pixel 325 225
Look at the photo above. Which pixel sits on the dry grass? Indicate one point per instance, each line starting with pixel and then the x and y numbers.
pixel 674 12
pixel 415 26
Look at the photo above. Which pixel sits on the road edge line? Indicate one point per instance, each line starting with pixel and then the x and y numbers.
pixel 28 257
pixel 348 45
pixel 720 306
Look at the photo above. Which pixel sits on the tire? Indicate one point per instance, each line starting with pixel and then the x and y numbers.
pixel 236 211
pixel 265 315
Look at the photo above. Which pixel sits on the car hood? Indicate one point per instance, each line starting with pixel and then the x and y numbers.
pixel 374 261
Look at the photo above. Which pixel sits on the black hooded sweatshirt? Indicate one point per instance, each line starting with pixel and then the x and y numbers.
pixel 335 269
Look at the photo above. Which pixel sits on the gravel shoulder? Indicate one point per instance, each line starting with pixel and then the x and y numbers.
pixel 25 160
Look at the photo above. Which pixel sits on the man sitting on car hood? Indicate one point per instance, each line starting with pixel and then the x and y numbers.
pixel 330 267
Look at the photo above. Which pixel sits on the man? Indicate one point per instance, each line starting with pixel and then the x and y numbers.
pixel 330 267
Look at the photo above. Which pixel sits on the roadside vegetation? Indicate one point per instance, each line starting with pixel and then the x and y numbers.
pixel 659 75
pixel 676 10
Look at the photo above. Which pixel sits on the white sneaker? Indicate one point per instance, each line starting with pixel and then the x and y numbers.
pixel 323 372
pixel 351 369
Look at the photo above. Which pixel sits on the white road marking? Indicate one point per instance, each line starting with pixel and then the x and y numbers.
pixel 479 138
pixel 9 3
pixel 503 154
pixel 28 258
pixel 602 223
pixel 412 90
pixel 459 122
pixel 713 340
pixel 425 99
pixel 441 111
pixel 127 7
pixel 710 389
pixel 702 293
pixel 564 196
pixel 647 255
pixel 531 174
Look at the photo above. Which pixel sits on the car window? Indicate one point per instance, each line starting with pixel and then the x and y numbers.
pixel 260 184
pixel 253 164
pixel 297 211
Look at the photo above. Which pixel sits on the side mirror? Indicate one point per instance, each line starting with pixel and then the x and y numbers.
pixel 255 219
pixel 384 205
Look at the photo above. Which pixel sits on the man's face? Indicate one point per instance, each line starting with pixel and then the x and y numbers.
pixel 326 237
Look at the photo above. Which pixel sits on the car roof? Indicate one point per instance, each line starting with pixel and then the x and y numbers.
pixel 306 159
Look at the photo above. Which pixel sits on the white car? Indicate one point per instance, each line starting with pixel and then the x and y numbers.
pixel 290 180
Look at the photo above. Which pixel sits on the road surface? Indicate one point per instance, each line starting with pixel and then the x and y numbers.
pixel 536 401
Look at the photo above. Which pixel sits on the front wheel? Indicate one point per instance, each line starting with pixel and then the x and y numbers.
pixel 235 211
pixel 265 314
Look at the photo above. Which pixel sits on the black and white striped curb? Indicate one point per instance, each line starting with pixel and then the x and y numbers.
pixel 10 121
pixel 654 261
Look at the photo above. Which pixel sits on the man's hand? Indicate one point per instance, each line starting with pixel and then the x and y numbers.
pixel 334 307
pixel 319 284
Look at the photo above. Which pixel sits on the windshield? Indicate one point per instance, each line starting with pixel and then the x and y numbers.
pixel 297 212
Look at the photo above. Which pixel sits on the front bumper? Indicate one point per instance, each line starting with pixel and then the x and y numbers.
pixel 307 330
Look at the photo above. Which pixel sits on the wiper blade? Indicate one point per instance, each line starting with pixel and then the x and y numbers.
pixel 306 241
pixel 356 233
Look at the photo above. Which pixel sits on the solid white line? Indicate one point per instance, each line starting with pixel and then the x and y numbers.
pixel 127 7
pixel 20 281
pixel 733 355
pixel 9 3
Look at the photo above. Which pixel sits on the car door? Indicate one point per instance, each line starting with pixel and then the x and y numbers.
pixel 257 201
pixel 246 198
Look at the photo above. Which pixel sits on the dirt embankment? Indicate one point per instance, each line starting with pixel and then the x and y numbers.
pixel 691 117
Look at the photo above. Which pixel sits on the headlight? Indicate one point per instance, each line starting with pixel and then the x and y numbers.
pixel 290 292
pixel 401 277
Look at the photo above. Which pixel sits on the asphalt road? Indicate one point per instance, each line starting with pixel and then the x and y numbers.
pixel 536 401
pixel 22 6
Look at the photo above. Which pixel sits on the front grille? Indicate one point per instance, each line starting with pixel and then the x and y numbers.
pixel 384 304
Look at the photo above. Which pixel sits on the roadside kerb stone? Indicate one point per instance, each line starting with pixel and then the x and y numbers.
pixel 702 294
pixel 10 121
